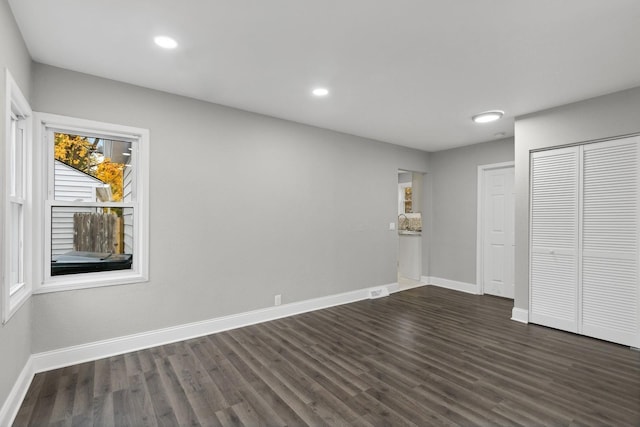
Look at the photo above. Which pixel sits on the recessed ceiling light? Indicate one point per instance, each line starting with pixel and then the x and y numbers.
pixel 165 42
pixel 488 116
pixel 126 154
pixel 320 91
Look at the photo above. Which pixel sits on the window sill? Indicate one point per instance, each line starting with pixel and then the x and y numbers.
pixel 89 281
pixel 16 300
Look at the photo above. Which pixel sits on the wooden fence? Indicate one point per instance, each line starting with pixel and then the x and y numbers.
pixel 98 232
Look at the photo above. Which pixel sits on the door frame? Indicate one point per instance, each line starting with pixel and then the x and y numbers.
pixel 482 169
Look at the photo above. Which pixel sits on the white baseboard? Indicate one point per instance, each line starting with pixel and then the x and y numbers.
pixel 97 350
pixel 12 404
pixel 393 287
pixel 396 287
pixel 470 288
pixel 520 315
pixel 407 287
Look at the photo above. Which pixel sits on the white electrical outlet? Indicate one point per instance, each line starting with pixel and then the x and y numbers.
pixel 277 300
pixel 392 226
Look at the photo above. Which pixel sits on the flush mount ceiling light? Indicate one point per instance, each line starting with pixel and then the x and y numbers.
pixel 165 42
pixel 488 116
pixel 320 91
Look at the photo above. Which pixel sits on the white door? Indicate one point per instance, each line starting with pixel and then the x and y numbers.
pixel 610 291
pixel 498 232
pixel 554 238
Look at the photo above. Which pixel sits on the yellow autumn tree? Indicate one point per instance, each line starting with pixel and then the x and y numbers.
pixel 80 153
pixel 74 151
pixel 111 173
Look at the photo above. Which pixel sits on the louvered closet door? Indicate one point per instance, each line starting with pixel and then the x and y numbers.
pixel 610 291
pixel 554 238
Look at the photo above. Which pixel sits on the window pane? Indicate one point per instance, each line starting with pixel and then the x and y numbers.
pixel 15 248
pixel 18 161
pixel 89 169
pixel 85 240
pixel 16 176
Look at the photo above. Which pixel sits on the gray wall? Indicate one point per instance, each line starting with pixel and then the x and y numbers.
pixel 15 336
pixel 454 180
pixel 306 215
pixel 602 117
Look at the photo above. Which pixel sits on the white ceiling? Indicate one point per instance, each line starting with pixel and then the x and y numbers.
pixel 409 72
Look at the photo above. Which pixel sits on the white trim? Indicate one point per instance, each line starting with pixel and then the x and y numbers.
pixel 520 315
pixel 400 288
pixel 97 350
pixel 470 288
pixel 393 287
pixel 11 405
pixel 396 287
pixel 16 106
pixel 379 292
pixel 90 281
pixel 479 219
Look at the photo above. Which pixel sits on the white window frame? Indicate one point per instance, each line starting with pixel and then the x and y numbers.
pixel 18 114
pixel 46 125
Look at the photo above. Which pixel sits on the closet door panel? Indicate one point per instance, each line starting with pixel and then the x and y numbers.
pixel 554 290
pixel 610 291
pixel 554 238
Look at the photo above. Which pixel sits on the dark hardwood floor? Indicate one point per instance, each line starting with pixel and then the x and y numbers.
pixel 427 356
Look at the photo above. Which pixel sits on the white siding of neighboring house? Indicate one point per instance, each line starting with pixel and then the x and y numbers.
pixel 127 196
pixel 70 185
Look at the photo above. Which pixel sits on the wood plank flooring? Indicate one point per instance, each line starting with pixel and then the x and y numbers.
pixel 427 356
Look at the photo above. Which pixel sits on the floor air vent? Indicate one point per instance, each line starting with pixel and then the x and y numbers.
pixel 378 293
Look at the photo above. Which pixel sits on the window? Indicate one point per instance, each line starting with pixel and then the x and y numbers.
pixel 94 203
pixel 16 286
